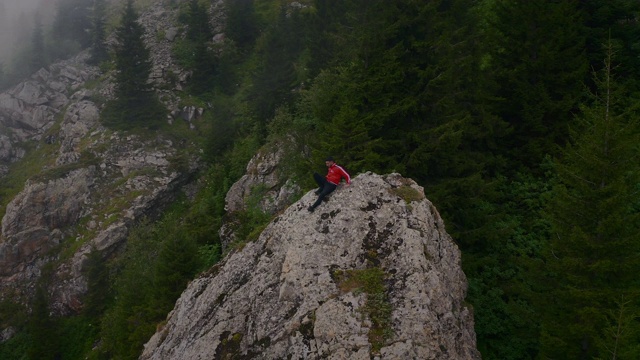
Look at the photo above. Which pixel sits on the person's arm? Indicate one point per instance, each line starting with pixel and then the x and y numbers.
pixel 346 176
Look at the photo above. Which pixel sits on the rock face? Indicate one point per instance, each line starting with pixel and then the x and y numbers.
pixel 265 176
pixel 264 183
pixel 282 296
pixel 87 185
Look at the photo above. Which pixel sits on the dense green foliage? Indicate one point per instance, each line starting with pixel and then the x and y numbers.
pixel 135 103
pixel 490 105
pixel 593 253
pixel 195 50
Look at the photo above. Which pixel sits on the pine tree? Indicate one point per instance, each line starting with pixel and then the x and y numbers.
pixel 198 28
pixel 593 254
pixel 99 51
pixel 135 102
pixel 72 23
pixel 42 328
pixel 346 134
pixel 537 51
pixel 199 35
pixel 241 26
pixel 274 78
pixel 175 267
pixel 98 288
pixel 37 55
pixel 615 20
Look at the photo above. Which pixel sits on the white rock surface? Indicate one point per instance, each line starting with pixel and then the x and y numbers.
pixel 277 297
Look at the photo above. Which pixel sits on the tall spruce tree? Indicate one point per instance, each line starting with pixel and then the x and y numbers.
pixel 42 328
pixel 593 255
pixel 98 287
pixel 242 25
pixel 275 77
pixel 199 35
pixel 135 102
pixel 72 23
pixel 538 55
pixel 37 53
pixel 99 52
pixel 617 21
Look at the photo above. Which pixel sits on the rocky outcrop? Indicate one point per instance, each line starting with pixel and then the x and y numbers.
pixel 264 185
pixel 89 185
pixel 29 109
pixel 285 295
pixel 33 219
pixel 264 176
pixel 159 22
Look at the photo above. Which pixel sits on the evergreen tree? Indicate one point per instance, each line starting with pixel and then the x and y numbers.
pixel 98 288
pixel 131 320
pixel 538 55
pixel 175 267
pixel 135 102
pixel 593 253
pixel 277 51
pixel 242 26
pixel 198 28
pixel 71 28
pixel 42 329
pixel 345 132
pixel 99 51
pixel 615 21
pixel 199 35
pixel 37 54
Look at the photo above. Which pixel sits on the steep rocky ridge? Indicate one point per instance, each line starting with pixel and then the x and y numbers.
pixel 87 185
pixel 280 296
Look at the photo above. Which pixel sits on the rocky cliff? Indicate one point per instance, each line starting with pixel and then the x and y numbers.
pixel 372 273
pixel 69 184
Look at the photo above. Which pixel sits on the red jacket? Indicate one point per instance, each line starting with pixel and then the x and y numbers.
pixel 336 173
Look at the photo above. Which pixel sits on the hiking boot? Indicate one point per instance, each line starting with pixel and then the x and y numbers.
pixel 310 208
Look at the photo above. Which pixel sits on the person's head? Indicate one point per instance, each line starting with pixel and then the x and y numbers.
pixel 329 161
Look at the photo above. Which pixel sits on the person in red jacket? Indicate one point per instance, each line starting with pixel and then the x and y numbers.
pixel 327 184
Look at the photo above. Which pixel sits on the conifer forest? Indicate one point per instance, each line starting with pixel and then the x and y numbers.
pixel 521 120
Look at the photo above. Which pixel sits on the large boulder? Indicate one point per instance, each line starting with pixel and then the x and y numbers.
pixel 291 293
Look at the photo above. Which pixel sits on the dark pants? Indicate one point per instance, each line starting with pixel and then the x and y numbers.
pixel 324 188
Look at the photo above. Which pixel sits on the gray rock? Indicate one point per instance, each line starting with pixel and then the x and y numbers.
pixel 279 297
pixel 264 180
pixel 171 33
pixel 190 113
pixel 6 149
pixel 29 92
pixel 218 38
pixel 264 174
pixel 34 215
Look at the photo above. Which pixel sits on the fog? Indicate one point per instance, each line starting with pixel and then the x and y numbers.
pixel 16 23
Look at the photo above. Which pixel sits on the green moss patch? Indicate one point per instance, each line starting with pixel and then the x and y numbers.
pixel 407 193
pixel 377 307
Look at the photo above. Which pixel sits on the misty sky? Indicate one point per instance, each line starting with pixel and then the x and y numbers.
pixel 16 23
